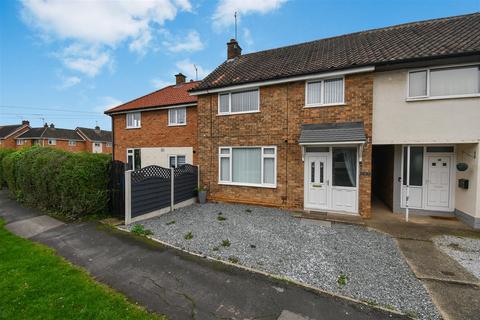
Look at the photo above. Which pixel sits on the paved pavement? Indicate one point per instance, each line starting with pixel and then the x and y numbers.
pixel 180 285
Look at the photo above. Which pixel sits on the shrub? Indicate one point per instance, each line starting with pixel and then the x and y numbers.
pixel 3 154
pixel 70 184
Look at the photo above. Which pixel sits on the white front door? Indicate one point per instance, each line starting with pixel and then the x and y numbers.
pixel 438 182
pixel 97 147
pixel 316 182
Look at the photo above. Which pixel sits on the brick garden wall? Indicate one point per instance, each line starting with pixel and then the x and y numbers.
pixel 279 123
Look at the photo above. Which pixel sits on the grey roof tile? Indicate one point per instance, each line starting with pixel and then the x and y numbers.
pixel 332 132
pixel 451 36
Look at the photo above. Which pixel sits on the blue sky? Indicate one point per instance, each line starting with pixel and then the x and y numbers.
pixel 67 61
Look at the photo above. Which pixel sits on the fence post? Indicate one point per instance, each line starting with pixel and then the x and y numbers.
pixel 198 177
pixel 172 190
pixel 128 196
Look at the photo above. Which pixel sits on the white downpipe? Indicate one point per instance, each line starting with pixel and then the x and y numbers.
pixel 408 183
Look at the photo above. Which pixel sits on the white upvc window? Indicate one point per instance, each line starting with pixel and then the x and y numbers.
pixel 72 143
pixel 248 166
pixel 444 82
pixel 325 92
pixel 134 120
pixel 239 102
pixel 177 116
pixel 52 142
pixel 134 159
pixel 19 142
pixel 109 144
pixel 175 161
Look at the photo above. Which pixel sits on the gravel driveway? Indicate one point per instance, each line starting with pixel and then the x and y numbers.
pixel 465 250
pixel 344 259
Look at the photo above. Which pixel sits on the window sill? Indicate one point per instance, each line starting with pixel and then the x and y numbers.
pixel 234 113
pixel 129 128
pixel 325 105
pixel 460 96
pixel 255 185
pixel 177 124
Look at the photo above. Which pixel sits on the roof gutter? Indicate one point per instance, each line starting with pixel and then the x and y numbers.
pixel 285 80
pixel 111 113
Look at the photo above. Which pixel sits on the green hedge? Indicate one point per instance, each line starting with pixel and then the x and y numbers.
pixel 70 184
pixel 3 154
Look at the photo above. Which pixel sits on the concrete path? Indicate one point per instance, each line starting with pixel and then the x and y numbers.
pixel 454 290
pixel 179 285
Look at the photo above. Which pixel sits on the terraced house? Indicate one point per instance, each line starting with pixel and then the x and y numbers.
pixel 159 128
pixel 80 139
pixel 321 125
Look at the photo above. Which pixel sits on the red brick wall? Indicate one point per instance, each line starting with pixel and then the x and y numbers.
pixel 155 132
pixel 10 142
pixel 279 123
pixel 89 147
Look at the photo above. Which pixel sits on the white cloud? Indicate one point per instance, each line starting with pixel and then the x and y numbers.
pixel 68 82
pixel 106 103
pixel 99 26
pixel 187 68
pixel 159 83
pixel 223 15
pixel 191 42
pixel 247 36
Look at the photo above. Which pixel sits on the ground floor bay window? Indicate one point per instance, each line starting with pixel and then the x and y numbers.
pixel 248 166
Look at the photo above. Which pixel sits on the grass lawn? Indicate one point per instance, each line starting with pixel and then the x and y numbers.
pixel 35 283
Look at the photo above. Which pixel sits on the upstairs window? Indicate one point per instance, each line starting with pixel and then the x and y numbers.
pixel 239 102
pixel 444 82
pixel 134 120
pixel 325 92
pixel 177 117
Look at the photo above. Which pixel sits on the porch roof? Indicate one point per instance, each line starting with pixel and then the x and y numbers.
pixel 332 133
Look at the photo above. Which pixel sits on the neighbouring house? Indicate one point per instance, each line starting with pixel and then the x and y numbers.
pixel 159 128
pixel 96 140
pixel 80 139
pixel 8 133
pixel 319 126
pixel 65 139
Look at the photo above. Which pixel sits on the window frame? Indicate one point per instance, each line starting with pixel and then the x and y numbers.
pixel 428 71
pixel 176 124
pixel 322 93
pixel 262 173
pixel 131 151
pixel 72 143
pixel 229 93
pixel 108 144
pixel 139 120
pixel 20 142
pixel 54 142
pixel 175 156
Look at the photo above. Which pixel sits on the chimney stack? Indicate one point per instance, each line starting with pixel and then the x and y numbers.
pixel 180 79
pixel 45 125
pixel 233 49
pixel 52 126
pixel 97 129
pixel 25 122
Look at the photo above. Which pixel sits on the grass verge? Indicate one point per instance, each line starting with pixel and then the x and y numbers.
pixel 38 284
